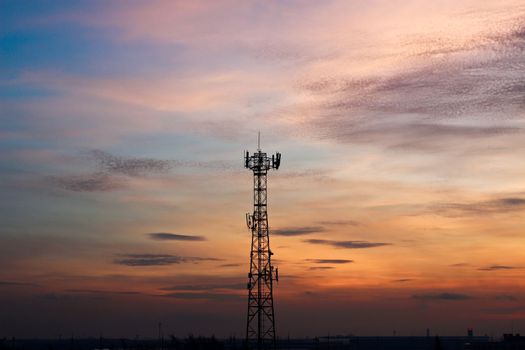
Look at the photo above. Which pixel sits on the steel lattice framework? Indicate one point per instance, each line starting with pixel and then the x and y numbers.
pixel 260 325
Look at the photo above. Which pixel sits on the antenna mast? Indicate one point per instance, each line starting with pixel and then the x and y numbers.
pixel 260 325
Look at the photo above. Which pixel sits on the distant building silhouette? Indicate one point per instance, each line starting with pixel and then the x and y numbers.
pixel 337 342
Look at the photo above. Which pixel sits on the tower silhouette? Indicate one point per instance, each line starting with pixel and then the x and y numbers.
pixel 260 325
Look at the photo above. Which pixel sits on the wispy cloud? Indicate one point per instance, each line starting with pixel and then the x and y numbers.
pixel 419 135
pixel 321 268
pixel 158 259
pixel 430 105
pixel 460 265
pixel 231 265
pixel 212 164
pixel 330 261
pixel 71 296
pixel 205 287
pixel 347 244
pixel 497 268
pixel 16 283
pixel 494 206
pixel 165 236
pixel 98 291
pixel 442 296
pixel 112 164
pixel 297 231
pixel 219 296
pixel 339 222
pixel 96 182
pixel 111 172
pixel 318 174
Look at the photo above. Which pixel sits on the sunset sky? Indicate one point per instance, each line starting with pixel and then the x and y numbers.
pixel 399 204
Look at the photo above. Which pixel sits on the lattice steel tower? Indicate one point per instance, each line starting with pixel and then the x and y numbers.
pixel 260 325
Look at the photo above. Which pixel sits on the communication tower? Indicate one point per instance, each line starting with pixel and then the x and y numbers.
pixel 260 325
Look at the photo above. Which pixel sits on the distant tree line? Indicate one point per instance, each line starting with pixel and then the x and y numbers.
pixel 191 342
